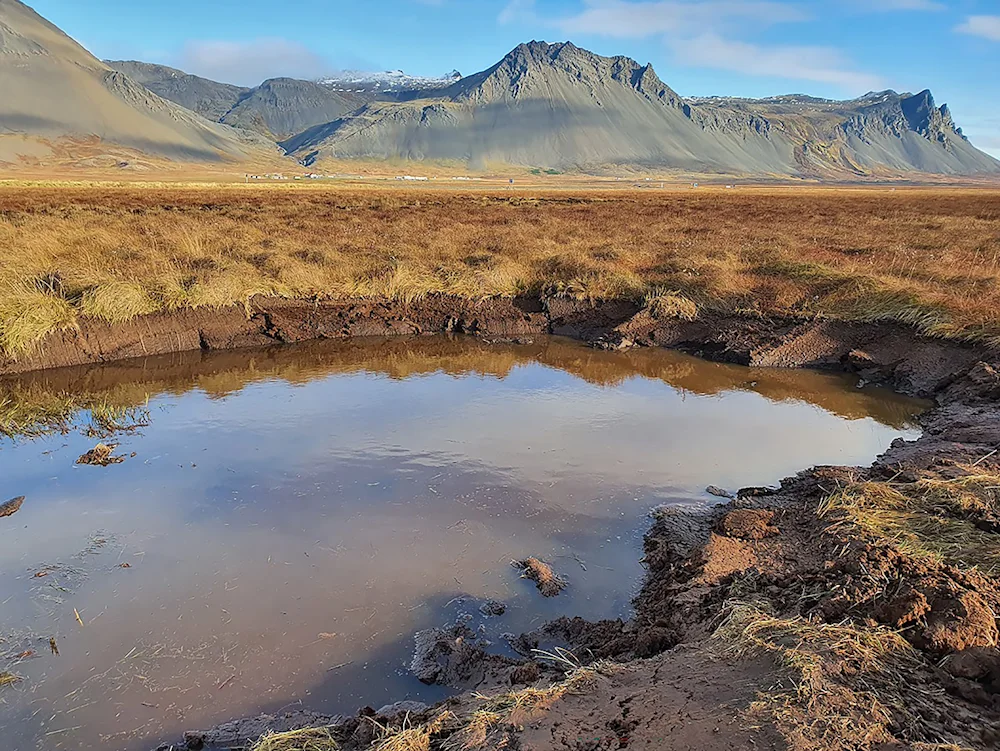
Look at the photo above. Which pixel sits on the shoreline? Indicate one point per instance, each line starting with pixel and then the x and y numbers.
pixel 750 621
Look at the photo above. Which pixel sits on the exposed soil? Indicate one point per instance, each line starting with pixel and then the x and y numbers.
pixel 549 583
pixel 769 550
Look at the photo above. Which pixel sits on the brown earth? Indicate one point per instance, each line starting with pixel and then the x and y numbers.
pixel 761 623
pixel 549 583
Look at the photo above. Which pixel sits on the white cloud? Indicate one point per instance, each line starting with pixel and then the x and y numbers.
pixel 629 19
pixel 802 63
pixel 616 18
pixel 700 32
pixel 887 5
pixel 249 63
pixel 987 27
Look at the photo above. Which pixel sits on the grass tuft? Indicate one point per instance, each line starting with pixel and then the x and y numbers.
pixel 930 518
pixel 117 302
pixel 307 739
pixel 28 312
pixel 847 682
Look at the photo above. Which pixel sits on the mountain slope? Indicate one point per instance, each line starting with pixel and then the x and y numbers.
pixel 52 88
pixel 558 106
pixel 208 98
pixel 282 107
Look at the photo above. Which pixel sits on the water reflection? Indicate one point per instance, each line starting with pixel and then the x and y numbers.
pixel 294 514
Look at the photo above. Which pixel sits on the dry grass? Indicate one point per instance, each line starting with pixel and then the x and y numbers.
pixel 930 518
pixel 848 682
pixel 309 739
pixel 413 737
pixel 8 679
pixel 927 258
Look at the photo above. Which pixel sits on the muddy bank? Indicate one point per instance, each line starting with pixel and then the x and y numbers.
pixel 883 353
pixel 778 619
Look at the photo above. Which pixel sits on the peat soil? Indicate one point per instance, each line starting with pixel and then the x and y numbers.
pixel 674 685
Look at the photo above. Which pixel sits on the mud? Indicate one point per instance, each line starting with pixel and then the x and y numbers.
pixel 879 353
pixel 549 583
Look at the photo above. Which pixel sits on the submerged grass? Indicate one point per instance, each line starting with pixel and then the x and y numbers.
pixel 933 518
pixel 930 259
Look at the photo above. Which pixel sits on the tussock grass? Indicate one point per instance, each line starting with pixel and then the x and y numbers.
pixel 930 518
pixel 848 682
pixel 117 302
pixel 29 311
pixel 309 739
pixel 929 259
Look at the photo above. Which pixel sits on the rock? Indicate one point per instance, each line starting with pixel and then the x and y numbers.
pixel 493 608
pixel 548 582
pixel 747 524
pixel 11 507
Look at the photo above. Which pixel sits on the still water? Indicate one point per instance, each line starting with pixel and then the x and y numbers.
pixel 292 515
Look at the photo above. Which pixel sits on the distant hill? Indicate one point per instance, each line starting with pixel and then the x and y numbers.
pixel 51 88
pixel 209 99
pixel 557 106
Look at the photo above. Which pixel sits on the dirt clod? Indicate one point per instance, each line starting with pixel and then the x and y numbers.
pixel 102 455
pixel 11 507
pixel 748 524
pixel 548 582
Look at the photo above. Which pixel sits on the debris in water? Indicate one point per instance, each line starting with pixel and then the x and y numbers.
pixel 125 565
pixel 53 646
pixel 78 618
pixel 718 492
pixel 11 507
pixel 492 608
pixel 101 456
pixel 326 637
pixel 8 679
pixel 549 583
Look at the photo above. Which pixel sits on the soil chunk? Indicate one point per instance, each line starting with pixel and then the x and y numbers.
pixel 457 658
pixel 748 524
pixel 493 608
pixel 549 583
pixel 101 455
pixel 11 507
pixel 718 492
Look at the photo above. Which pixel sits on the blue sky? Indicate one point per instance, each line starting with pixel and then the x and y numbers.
pixel 832 48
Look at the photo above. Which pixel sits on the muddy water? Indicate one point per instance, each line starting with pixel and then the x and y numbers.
pixel 293 515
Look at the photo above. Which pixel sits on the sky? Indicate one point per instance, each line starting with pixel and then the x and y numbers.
pixel 829 48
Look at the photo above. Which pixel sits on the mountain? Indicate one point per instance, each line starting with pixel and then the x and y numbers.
pixel 560 107
pixel 51 88
pixel 209 99
pixel 282 107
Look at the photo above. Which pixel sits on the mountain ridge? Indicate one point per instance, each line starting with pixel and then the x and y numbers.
pixel 562 107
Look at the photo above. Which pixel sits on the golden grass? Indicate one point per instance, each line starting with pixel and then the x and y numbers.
pixel 8 679
pixel 848 682
pixel 930 518
pixel 413 737
pixel 308 739
pixel 926 258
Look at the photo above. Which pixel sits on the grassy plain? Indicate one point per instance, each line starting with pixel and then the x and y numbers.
pixel 927 257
